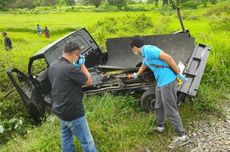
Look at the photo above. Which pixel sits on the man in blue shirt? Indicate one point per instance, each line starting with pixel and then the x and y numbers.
pixel 165 71
pixel 38 30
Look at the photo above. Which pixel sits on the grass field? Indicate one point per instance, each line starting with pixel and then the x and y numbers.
pixel 117 122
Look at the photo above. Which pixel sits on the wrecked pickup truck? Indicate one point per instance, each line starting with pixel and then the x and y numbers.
pixel 109 70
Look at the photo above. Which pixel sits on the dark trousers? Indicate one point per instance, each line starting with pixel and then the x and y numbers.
pixel 166 106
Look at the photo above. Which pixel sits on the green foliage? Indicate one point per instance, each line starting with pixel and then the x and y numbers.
pixel 96 3
pixel 156 2
pixel 12 117
pixel 218 10
pixel 20 4
pixel 116 122
pixel 3 4
pixel 189 15
pixel 70 2
pixel 220 23
pixel 213 1
pixel 193 4
pixel 207 99
pixel 167 10
pixel 45 2
pixel 217 71
pixel 162 26
pixel 118 3
pixel 114 25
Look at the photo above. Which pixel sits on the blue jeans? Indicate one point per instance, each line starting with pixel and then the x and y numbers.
pixel 78 127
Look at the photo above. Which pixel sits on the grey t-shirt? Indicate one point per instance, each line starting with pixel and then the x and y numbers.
pixel 66 81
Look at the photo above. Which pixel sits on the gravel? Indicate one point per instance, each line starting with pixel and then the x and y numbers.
pixel 208 136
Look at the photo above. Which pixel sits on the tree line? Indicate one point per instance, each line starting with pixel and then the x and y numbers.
pixel 5 4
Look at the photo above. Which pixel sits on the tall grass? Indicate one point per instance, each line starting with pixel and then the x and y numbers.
pixel 116 122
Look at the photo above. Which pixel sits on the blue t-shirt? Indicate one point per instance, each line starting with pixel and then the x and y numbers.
pixel 150 58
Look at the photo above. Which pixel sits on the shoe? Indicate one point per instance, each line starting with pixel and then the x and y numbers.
pixel 177 142
pixel 159 129
pixel 156 130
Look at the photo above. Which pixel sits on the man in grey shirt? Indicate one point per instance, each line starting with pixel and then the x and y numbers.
pixel 67 94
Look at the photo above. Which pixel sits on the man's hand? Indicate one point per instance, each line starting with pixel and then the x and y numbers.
pixel 133 75
pixel 182 77
pixel 80 61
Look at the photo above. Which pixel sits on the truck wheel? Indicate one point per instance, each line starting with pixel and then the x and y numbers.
pixel 148 100
pixel 180 97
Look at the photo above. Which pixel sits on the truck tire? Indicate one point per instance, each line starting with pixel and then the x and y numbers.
pixel 180 97
pixel 148 100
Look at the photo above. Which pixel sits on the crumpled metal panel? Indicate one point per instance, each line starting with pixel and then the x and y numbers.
pixel 180 46
pixel 195 69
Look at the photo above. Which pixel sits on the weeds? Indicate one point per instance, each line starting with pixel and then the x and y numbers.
pixel 116 122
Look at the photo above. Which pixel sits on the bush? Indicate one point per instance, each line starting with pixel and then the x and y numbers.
pixel 189 15
pixel 142 22
pixel 191 4
pixel 112 25
pixel 220 23
pixel 218 10
pixel 162 27
pixel 166 11
pixel 217 72
pixel 12 117
pixel 207 99
pixel 213 1
pixel 9 59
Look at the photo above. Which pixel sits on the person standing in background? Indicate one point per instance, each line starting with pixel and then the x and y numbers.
pixel 47 32
pixel 39 31
pixel 7 41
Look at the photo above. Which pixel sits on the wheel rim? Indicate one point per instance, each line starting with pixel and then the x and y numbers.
pixel 152 104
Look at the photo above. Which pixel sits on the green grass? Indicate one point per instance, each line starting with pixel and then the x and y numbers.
pixel 116 122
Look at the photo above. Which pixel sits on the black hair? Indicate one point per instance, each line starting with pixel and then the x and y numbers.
pixel 71 47
pixel 136 41
pixel 4 33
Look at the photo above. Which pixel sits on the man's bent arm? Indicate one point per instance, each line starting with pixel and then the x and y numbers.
pixel 172 64
pixel 86 72
pixel 141 69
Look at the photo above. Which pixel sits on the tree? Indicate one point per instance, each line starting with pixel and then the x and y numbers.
pixel 3 3
pixel 96 3
pixel 44 2
pixel 70 2
pixel 165 2
pixel 20 4
pixel 205 2
pixel 213 1
pixel 153 1
pixel 118 3
pixel 175 3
